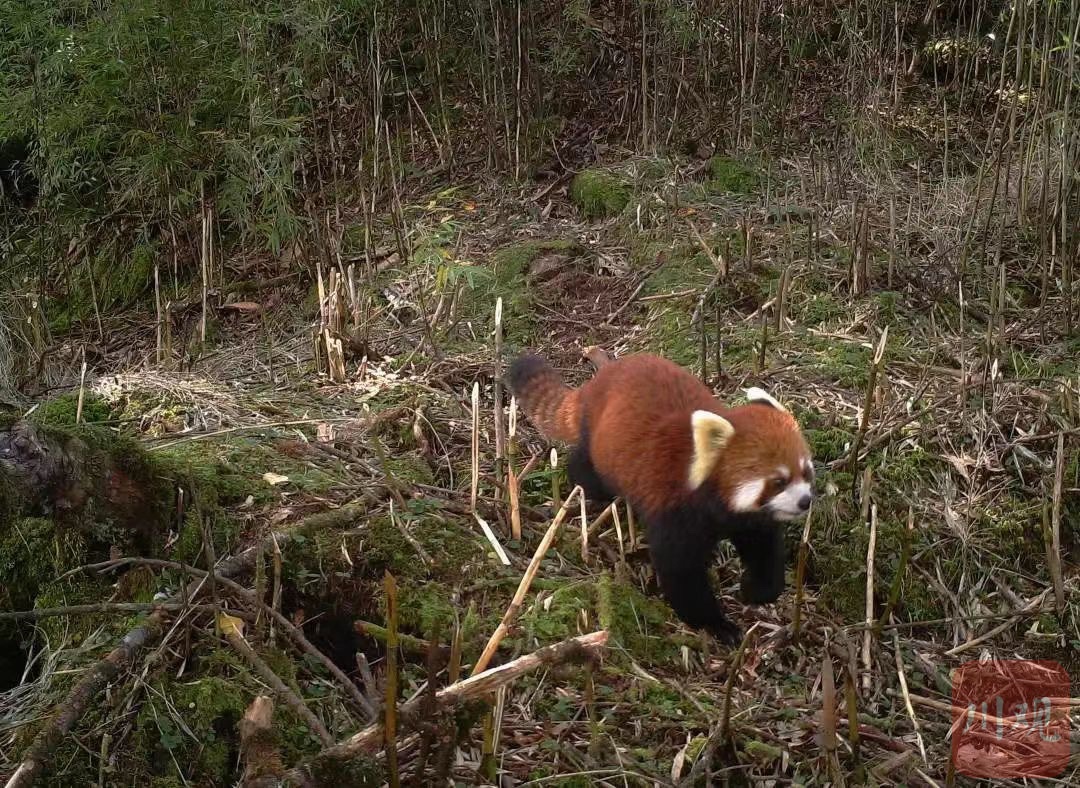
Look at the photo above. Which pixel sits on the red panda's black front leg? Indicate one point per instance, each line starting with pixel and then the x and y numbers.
pixel 760 546
pixel 681 555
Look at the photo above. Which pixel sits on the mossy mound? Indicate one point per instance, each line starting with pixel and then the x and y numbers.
pixel 511 276
pixel 89 479
pixel 62 410
pixel 599 194
pixel 732 176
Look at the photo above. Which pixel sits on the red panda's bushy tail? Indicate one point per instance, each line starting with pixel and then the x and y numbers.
pixel 549 403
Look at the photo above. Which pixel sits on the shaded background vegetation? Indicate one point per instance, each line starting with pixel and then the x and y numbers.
pixel 130 118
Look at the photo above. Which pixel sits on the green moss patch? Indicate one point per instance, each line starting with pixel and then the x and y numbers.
pixel 599 194
pixel 732 176
pixel 195 729
pixel 62 410
pixel 512 277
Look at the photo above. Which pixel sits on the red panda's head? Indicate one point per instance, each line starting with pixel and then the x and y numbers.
pixel 756 457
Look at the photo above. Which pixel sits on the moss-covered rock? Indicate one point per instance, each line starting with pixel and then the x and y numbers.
pixel 88 478
pixel 599 194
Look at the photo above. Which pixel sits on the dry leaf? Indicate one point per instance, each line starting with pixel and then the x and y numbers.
pixel 274 479
pixel 679 760
pixel 230 625
pixel 324 433
pixel 961 464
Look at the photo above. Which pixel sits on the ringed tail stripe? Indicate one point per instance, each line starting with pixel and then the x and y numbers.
pixel 551 405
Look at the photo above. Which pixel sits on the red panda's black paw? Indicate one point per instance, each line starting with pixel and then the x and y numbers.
pixel 726 632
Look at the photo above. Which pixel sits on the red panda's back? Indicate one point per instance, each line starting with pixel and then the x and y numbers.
pixel 637 413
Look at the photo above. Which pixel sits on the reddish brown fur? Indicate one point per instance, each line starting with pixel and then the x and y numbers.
pixel 551 405
pixel 637 411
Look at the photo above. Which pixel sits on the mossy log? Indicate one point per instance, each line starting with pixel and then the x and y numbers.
pixel 83 477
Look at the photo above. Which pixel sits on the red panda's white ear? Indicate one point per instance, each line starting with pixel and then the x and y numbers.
pixel 711 433
pixel 760 395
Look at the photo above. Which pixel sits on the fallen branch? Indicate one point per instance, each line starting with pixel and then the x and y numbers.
pixel 366 423
pixel 40 751
pixel 406 642
pixel 286 626
pixel 368 740
pixel 109 607
pixel 983 717
pixel 231 631
pixel 1034 606
pixel 523 587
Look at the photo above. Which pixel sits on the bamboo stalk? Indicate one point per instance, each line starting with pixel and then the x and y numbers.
pixel 902 677
pixel 800 575
pixel 523 587
pixel 618 535
pixel 851 700
pixel 584 531
pixel 556 493
pixel 475 487
pixel 500 436
pixel 828 714
pixel 729 685
pixel 205 264
pixel 1054 547
pixel 158 322
pixel 82 389
pixel 390 726
pixel 868 634
pixel 868 401
pixel 901 568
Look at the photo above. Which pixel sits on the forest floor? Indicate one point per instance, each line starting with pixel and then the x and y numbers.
pixel 938 422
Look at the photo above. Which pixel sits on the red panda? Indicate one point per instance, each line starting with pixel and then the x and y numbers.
pixel 696 472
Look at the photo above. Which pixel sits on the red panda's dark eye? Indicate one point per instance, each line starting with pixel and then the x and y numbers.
pixel 778 483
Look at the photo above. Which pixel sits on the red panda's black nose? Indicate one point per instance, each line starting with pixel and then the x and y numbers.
pixel 804 502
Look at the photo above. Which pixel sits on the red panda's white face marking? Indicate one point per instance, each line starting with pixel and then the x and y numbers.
pixel 747 496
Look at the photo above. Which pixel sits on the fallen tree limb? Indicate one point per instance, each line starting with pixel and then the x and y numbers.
pixel 232 633
pixel 72 708
pixel 109 607
pixel 41 749
pixel 369 739
pixel 407 642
